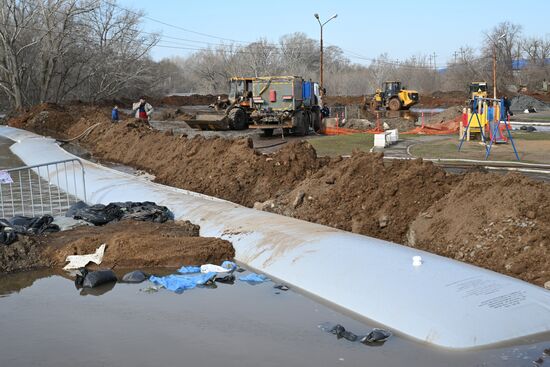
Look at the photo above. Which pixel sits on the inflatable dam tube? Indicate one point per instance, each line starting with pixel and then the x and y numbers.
pixel 442 302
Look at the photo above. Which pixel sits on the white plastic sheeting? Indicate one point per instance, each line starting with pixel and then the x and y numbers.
pixel 441 301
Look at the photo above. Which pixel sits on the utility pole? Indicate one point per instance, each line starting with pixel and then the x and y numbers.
pixel 494 70
pixel 435 65
pixel 321 53
pixel 455 55
pixel 495 42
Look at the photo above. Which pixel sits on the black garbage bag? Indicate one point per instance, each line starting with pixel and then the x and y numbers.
pixel 136 276
pixel 146 211
pixel 34 225
pixel 100 214
pixel 10 228
pixel 7 233
pixel 341 332
pixel 91 279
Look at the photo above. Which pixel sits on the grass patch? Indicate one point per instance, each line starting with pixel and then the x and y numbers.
pixel 532 148
pixel 342 144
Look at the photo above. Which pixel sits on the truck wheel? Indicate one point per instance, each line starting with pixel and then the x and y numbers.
pixel 300 124
pixel 238 119
pixel 267 132
pixel 395 104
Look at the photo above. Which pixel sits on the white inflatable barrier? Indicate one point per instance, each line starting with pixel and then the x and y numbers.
pixel 429 298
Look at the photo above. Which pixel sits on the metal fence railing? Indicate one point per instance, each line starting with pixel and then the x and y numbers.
pixel 49 188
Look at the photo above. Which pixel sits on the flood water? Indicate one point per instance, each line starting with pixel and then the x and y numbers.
pixel 46 321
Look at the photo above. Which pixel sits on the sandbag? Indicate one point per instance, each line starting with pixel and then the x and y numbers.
pixel 10 228
pixel 100 214
pixel 91 279
pixel 34 225
pixel 136 276
pixel 7 233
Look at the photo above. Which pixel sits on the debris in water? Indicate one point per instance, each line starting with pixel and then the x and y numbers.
pixel 136 276
pixel 376 336
pixel 281 287
pixel 253 278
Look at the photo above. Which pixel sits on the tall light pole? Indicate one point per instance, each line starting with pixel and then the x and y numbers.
pixel 495 63
pixel 321 66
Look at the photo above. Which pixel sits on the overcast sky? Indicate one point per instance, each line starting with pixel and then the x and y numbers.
pixel 366 28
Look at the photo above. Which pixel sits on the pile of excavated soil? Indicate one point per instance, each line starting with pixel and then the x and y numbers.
pixel 228 169
pixel 410 202
pixel 130 244
pixel 500 223
pixel 442 99
pixel 192 100
pixel 364 195
pixel 522 102
pixel 334 101
pixel 449 114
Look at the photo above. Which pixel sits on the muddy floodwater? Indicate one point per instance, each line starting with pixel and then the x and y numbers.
pixel 46 321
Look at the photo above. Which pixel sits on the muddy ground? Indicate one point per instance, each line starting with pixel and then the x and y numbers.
pixel 130 244
pixel 490 220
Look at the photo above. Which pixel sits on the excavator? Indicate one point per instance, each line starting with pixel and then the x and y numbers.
pixel 393 97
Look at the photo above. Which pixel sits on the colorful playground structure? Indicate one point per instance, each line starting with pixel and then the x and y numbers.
pixel 488 119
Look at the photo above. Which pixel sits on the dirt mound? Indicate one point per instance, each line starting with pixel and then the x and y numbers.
pixel 364 195
pixel 130 244
pixel 334 101
pixel 192 100
pixel 442 99
pixel 45 119
pixel 523 102
pixel 496 222
pixel 449 114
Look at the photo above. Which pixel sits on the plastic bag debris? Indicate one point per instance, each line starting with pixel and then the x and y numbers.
pixel 100 214
pixel 376 336
pixel 341 332
pixel 5 177
pixel 281 287
pixel 253 278
pixel 228 279
pixel 180 283
pixel 91 279
pixel 80 261
pixel 10 228
pixel 226 267
pixel 136 276
pixel 189 269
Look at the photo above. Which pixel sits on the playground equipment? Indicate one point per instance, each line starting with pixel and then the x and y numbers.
pixel 490 122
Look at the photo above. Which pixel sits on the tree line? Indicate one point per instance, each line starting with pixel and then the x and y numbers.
pixel 92 50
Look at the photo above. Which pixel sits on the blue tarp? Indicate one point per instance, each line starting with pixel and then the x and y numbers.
pixel 189 269
pixel 253 278
pixel 180 283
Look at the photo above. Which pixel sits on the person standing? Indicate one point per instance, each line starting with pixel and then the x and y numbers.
pixel 114 114
pixel 143 109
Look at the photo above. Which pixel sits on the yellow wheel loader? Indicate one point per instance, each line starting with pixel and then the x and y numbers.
pixel 393 97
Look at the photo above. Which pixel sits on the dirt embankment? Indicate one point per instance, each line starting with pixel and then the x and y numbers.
pixel 130 244
pixel 410 202
pixel 364 195
pixel 500 223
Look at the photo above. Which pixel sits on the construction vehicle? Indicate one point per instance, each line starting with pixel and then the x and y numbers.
pixel 478 89
pixel 393 97
pixel 265 103
pixel 227 114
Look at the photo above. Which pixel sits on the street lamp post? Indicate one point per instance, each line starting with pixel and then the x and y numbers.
pixel 321 56
pixel 495 64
